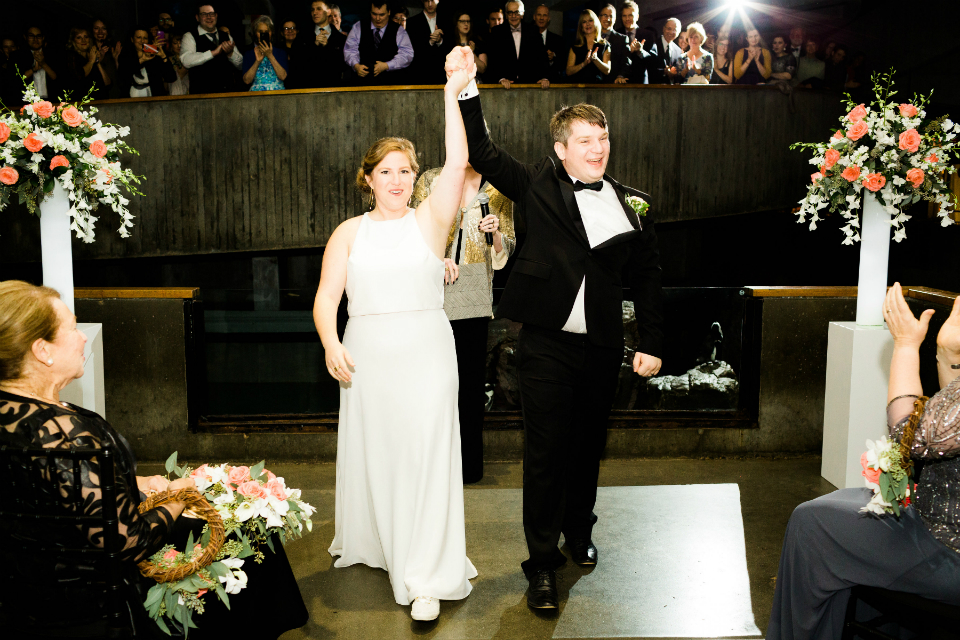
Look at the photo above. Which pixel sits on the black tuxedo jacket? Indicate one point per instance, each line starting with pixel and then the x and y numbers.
pixel 668 57
pixel 556 254
pixel 530 67
pixel 642 61
pixel 427 67
pixel 320 66
pixel 558 45
pixel 620 61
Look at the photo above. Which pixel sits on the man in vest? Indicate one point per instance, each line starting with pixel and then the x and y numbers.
pixel 378 49
pixel 211 55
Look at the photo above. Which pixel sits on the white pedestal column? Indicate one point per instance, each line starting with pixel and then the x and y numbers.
pixel 874 254
pixel 56 253
pixel 858 370
pixel 87 392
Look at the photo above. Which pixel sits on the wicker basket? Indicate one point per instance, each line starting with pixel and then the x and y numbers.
pixel 205 511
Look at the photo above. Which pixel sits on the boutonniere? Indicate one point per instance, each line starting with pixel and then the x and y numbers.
pixel 639 205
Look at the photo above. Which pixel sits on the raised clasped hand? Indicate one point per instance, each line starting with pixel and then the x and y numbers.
pixel 905 328
pixel 461 68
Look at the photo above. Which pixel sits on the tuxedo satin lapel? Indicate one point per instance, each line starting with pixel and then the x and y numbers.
pixel 617 239
pixel 566 190
pixel 627 209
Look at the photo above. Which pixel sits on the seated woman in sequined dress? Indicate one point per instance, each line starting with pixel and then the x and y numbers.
pixel 830 546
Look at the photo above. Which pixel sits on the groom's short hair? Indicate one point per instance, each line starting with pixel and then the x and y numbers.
pixel 561 120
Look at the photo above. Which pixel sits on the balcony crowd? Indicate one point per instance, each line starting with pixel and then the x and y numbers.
pixel 198 54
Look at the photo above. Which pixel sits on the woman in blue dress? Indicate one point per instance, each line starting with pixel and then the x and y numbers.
pixel 264 68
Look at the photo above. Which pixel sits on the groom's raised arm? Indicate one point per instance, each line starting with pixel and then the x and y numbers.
pixel 508 175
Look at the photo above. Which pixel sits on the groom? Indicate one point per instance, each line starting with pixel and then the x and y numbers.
pixel 566 289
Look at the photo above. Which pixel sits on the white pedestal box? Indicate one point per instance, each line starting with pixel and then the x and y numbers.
pixel 858 371
pixel 56 252
pixel 87 392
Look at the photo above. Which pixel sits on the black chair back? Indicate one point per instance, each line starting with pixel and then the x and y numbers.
pixel 42 494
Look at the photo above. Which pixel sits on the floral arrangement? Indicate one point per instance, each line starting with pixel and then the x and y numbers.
pixel 638 204
pixel 889 475
pixel 44 143
pixel 255 505
pixel 887 149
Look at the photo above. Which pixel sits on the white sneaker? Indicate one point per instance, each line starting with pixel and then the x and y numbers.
pixel 425 609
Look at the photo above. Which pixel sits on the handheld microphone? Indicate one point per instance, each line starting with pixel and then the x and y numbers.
pixel 484 201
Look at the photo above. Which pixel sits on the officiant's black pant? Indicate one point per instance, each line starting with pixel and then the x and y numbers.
pixel 567 386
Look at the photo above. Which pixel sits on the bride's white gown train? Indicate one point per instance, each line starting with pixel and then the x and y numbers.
pixel 399 499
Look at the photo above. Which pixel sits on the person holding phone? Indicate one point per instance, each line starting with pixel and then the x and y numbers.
pixel 145 68
pixel 264 68
pixel 589 59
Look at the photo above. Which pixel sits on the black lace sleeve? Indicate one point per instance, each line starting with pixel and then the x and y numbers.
pixel 39 425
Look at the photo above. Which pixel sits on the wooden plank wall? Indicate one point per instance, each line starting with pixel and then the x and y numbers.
pixel 265 172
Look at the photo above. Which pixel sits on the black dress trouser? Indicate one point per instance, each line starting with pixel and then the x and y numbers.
pixel 470 336
pixel 567 387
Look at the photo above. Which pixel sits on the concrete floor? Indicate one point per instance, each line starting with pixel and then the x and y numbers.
pixel 356 602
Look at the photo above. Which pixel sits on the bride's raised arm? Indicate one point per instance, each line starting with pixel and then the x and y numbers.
pixel 442 204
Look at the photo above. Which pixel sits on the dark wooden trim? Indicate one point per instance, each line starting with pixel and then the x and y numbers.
pixel 493 421
pixel 926 294
pixel 100 293
pixel 936 296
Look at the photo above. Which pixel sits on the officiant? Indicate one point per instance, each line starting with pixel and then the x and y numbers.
pixel 477 246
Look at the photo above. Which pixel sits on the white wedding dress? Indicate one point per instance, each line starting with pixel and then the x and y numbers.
pixel 399 500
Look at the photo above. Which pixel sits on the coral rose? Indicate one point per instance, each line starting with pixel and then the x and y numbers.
pixel 872 475
pixel 851 173
pixel 33 143
pixel 9 175
pixel 908 110
pixel 201 471
pixel 4 132
pixel 874 182
pixel 238 475
pixel 858 130
pixel 71 115
pixel 910 140
pixel 275 489
pixel 58 161
pixel 43 109
pixel 251 489
pixel 915 176
pixel 815 176
pixel 857 114
pixel 838 135
pixel 932 158
pixel 832 156
pixel 98 148
pixel 171 554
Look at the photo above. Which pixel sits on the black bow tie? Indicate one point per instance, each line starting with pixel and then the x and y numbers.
pixel 593 186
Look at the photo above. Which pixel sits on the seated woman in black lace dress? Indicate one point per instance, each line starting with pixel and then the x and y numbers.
pixel 830 546
pixel 41 351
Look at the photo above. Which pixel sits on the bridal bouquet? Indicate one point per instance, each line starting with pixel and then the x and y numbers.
pixel 255 506
pixel 887 149
pixel 889 475
pixel 44 143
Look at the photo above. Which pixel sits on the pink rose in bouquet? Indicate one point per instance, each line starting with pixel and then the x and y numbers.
pixel 251 489
pixel 910 140
pixel 275 489
pixel 71 116
pixel 874 182
pixel 908 110
pixel 43 109
pixel 815 176
pixel 4 132
pixel 33 143
pixel 915 177
pixel 857 114
pixel 858 130
pixel 871 474
pixel 98 148
pixel 838 135
pixel 200 472
pixel 932 158
pixel 58 161
pixel 851 173
pixel 9 175
pixel 831 157
pixel 171 554
pixel 238 475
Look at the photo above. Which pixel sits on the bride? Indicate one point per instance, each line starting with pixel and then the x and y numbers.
pixel 399 497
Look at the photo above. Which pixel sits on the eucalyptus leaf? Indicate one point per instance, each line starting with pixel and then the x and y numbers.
pixel 163 626
pixel 171 462
pixel 257 470
pixel 270 543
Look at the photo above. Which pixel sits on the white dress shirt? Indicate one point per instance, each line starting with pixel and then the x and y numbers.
pixel 432 23
pixel 603 218
pixel 516 40
pixel 188 49
pixel 317 29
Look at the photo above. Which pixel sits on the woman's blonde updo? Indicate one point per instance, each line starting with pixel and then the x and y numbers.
pixel 375 155
pixel 26 315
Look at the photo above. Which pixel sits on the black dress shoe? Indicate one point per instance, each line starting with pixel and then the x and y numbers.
pixel 543 590
pixel 583 552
